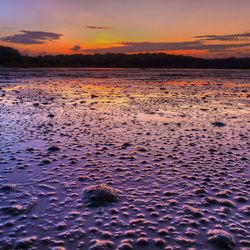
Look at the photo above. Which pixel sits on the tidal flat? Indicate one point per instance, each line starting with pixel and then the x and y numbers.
pixel 124 159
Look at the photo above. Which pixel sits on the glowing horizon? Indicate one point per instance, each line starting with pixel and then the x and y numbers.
pixel 211 29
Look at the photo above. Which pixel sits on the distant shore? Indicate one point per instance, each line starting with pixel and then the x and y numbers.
pixel 12 58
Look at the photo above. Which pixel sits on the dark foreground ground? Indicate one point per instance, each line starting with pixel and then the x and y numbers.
pixel 172 147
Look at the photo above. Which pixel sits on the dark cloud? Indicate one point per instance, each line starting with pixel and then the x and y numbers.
pixel 141 47
pixel 31 37
pixel 76 48
pixel 5 28
pixel 232 37
pixel 98 27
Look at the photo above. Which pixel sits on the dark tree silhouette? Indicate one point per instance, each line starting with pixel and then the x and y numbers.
pixel 9 56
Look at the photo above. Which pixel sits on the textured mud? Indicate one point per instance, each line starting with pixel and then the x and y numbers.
pixel 171 147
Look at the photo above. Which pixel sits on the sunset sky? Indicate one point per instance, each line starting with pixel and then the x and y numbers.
pixel 205 28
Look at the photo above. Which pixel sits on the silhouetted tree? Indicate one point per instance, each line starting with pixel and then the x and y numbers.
pixel 9 56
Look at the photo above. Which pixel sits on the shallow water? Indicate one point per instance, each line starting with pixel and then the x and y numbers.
pixel 148 133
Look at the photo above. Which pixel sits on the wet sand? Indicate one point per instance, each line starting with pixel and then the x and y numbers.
pixel 170 148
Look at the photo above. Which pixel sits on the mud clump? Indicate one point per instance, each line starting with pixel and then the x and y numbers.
pixel 51 115
pixel 125 145
pixel 82 178
pixel 94 96
pixel 218 124
pixel 221 239
pixel 36 105
pixel 193 211
pixel 26 243
pixel 100 195
pixel 14 209
pixel 53 149
pixel 101 245
pixel 8 188
pixel 246 210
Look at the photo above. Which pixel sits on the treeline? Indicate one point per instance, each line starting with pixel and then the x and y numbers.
pixel 12 58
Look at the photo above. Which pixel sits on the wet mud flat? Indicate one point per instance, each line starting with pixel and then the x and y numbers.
pixel 124 159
